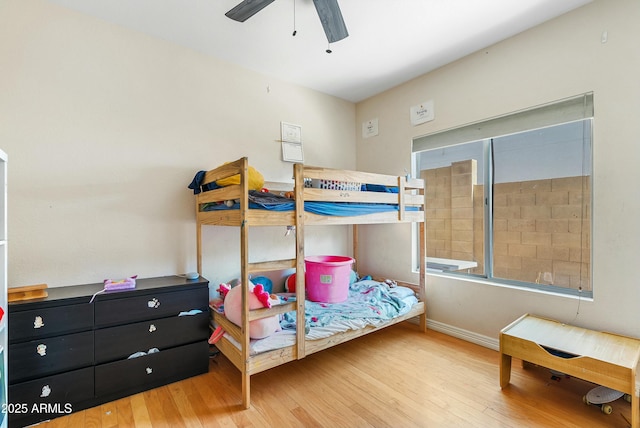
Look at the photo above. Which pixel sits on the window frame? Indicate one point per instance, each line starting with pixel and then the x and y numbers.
pixel 572 109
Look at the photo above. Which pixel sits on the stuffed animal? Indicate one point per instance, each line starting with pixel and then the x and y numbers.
pixel 266 283
pixel 256 180
pixel 258 298
pixel 290 283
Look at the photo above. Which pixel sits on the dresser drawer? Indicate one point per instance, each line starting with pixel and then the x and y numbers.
pixel 149 306
pixel 152 370
pixel 69 387
pixel 52 396
pixel 47 356
pixel 116 343
pixel 32 324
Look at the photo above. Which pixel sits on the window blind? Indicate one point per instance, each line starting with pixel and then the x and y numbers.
pixel 563 111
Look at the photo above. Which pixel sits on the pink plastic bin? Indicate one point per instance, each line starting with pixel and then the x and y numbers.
pixel 327 278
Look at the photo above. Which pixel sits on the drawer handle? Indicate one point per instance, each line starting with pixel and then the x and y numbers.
pixel 41 349
pixel 153 303
pixel 149 370
pixel 152 328
pixel 46 390
pixel 37 322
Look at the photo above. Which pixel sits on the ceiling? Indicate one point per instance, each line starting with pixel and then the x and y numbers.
pixel 390 41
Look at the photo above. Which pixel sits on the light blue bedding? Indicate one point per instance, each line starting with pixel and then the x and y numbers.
pixel 369 302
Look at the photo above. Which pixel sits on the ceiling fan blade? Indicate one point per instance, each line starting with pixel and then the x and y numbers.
pixel 247 8
pixel 331 19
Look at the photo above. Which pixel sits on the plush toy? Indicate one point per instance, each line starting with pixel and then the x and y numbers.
pixel 258 298
pixel 266 283
pixel 256 180
pixel 290 283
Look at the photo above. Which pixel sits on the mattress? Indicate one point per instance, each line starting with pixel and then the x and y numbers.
pixel 273 202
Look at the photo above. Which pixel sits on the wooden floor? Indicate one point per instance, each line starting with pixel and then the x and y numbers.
pixel 397 377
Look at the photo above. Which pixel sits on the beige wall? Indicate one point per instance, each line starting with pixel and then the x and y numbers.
pixel 558 59
pixel 105 128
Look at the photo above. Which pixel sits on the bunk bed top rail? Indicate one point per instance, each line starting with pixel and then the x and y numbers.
pixel 406 194
pixel 314 172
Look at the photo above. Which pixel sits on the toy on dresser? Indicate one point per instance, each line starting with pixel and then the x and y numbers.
pixel 116 285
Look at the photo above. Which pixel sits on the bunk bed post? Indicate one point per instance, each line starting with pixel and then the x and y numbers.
pixel 244 275
pixel 422 253
pixel 298 176
pixel 199 242
pixel 355 247
pixel 423 275
pixel 401 203
pixel 198 235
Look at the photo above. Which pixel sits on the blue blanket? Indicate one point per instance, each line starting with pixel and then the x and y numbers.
pixel 271 202
pixel 370 300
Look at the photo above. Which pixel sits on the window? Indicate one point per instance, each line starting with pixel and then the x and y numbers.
pixel 509 199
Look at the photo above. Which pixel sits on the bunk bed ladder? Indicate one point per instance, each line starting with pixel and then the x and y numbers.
pixel 422 254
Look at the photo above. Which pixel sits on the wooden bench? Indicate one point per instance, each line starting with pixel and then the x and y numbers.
pixel 603 358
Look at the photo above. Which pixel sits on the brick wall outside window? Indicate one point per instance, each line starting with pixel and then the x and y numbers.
pixel 541 227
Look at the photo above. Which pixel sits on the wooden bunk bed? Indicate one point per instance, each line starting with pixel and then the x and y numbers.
pixel 408 205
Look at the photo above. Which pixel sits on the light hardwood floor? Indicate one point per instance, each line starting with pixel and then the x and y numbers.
pixel 397 377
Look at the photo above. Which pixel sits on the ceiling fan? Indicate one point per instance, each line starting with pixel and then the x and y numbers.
pixel 328 11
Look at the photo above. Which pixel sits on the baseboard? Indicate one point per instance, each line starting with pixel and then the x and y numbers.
pixel 469 336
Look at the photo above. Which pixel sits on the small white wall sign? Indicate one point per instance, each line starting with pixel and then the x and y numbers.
pixel 291 142
pixel 370 128
pixel 292 152
pixel 291 132
pixel 422 113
